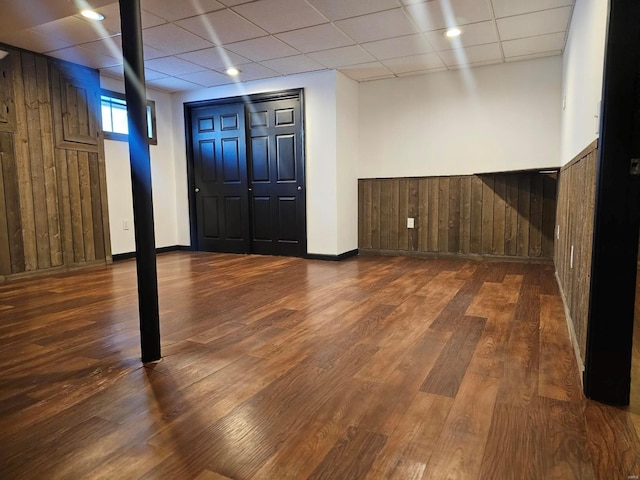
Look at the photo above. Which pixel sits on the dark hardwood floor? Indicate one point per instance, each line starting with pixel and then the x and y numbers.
pixel 284 368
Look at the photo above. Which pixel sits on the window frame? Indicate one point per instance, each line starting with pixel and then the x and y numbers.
pixel 124 137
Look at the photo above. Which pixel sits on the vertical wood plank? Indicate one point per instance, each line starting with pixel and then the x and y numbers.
pixel 549 194
pixel 403 213
pixel 5 252
pixel 433 236
pixel 375 214
pixel 12 203
pixel 104 203
pixel 385 213
pixel 475 241
pixel 395 214
pixel 443 215
pixel 24 170
pixel 423 214
pixel 413 213
pixel 535 223
pixel 86 206
pixel 487 213
pixel 75 203
pixel 360 214
pixel 454 215
pixel 368 207
pixel 36 155
pixel 499 211
pixel 524 205
pixel 48 156
pixel 465 214
pixel 96 210
pixel 511 216
pixel 64 200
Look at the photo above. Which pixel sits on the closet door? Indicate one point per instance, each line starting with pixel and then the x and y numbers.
pixel 220 178
pixel 276 177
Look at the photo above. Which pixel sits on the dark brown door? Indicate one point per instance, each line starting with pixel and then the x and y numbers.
pixel 220 178
pixel 276 177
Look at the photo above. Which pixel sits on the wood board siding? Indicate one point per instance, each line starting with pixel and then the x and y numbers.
pixel 501 215
pixel 575 213
pixel 39 200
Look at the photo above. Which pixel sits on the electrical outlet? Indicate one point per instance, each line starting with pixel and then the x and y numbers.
pixel 125 224
pixel 411 222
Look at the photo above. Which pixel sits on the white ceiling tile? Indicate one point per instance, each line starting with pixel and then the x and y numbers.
pixel 107 46
pixel 172 39
pixel 34 41
pixel 339 57
pixel 312 39
pixel 151 53
pixel 291 65
pixel 216 57
pixel 507 8
pixel 398 47
pixel 233 3
pixel 530 24
pixel 439 14
pixel 74 30
pixel 414 63
pixel 85 57
pixel 173 10
pixel 222 27
pixel 377 26
pixel 533 55
pixel 340 9
pixel 118 72
pixel 473 34
pixel 527 46
pixel 475 64
pixel 173 66
pixel 207 78
pixel 421 72
pixel 277 16
pixel 264 48
pixel 112 18
pixel 366 71
pixel 255 71
pixel 173 84
pixel 469 55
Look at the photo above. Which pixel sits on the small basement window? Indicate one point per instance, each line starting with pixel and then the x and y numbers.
pixel 115 124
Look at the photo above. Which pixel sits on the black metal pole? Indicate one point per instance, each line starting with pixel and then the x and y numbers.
pixel 141 179
pixel 607 375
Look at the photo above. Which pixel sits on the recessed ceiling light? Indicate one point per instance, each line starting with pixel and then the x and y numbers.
pixel 92 15
pixel 453 32
pixel 233 71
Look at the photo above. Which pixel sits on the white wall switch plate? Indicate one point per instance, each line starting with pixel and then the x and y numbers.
pixel 411 222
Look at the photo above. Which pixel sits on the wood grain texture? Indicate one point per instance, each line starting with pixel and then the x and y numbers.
pixel 575 213
pixel 289 368
pixel 489 215
pixel 47 192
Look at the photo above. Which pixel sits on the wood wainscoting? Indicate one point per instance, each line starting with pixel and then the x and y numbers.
pixel 506 215
pixel 576 201
pixel 53 196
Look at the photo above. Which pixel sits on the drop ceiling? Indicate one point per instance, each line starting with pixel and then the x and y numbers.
pixel 188 44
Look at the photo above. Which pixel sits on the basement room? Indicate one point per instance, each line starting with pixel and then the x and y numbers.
pixel 319 239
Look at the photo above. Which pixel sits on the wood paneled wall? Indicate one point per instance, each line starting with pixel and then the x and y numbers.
pixel 576 207
pixel 502 215
pixel 53 208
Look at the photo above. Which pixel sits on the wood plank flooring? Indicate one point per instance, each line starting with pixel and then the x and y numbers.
pixel 284 368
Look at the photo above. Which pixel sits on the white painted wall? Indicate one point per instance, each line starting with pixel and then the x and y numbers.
pixel 347 162
pixel 492 118
pixel 583 65
pixel 162 177
pixel 321 160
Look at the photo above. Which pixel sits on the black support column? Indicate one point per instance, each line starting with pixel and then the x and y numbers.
pixel 617 213
pixel 141 179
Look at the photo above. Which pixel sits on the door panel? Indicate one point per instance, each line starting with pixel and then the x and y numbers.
pixel 277 178
pixel 220 178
